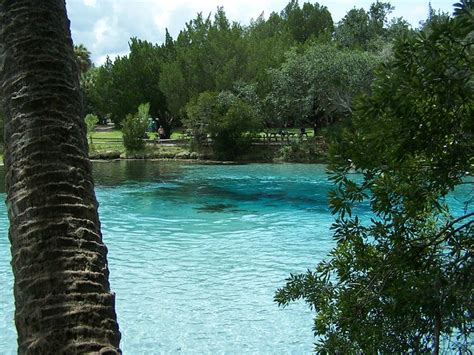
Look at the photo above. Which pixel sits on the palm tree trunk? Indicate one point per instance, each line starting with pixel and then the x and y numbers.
pixel 62 293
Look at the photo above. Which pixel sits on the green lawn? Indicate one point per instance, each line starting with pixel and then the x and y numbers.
pixel 111 140
pixel 117 134
pixel 113 133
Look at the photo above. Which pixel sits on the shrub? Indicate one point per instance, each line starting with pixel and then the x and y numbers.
pixel 134 129
pixel 301 151
pixel 227 119
pixel 91 121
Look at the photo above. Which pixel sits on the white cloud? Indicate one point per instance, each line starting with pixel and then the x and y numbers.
pixel 100 30
pixel 90 3
pixel 162 15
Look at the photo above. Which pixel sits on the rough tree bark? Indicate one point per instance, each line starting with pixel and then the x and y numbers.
pixel 62 293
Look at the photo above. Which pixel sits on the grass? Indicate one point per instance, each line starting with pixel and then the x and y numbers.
pixel 106 147
pixel 113 133
pixel 111 141
pixel 117 134
pixel 104 141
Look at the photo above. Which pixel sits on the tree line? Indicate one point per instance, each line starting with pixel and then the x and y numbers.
pixel 294 68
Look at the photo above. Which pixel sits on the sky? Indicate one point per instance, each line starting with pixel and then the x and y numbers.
pixel 105 26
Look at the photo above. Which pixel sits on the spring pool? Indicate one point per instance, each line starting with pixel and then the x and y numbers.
pixel 196 253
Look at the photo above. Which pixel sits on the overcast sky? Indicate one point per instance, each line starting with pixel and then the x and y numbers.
pixel 105 26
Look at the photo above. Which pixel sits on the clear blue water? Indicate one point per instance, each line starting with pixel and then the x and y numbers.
pixel 196 253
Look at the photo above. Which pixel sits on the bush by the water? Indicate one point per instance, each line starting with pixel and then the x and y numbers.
pixel 227 119
pixel 304 151
pixel 134 129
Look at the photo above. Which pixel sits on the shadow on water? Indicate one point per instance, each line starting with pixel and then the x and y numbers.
pixel 230 196
pixel 218 207
pixel 211 190
pixel 115 173
pixel 178 190
pixel 180 182
pixel 134 171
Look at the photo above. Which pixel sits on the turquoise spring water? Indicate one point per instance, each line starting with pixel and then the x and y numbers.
pixel 196 253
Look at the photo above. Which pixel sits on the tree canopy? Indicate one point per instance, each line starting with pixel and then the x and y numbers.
pixel 319 83
pixel 214 54
pixel 83 57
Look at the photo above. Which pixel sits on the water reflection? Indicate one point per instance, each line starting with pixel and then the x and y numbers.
pixel 135 171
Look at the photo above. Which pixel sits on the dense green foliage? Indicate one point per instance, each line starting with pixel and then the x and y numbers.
pixel 369 30
pixel 228 120
pixel 302 150
pixel 209 56
pixel 83 58
pixel 318 84
pixel 308 21
pixel 117 88
pixel 402 281
pixel 134 128
pixel 296 71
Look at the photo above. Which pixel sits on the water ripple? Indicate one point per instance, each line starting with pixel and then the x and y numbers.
pixel 197 252
pixel 203 254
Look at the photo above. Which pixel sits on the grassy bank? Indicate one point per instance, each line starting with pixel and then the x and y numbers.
pixel 108 144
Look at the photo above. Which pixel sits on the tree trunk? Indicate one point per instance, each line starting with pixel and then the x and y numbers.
pixel 62 293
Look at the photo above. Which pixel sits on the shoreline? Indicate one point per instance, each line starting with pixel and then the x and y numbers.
pixel 206 161
pixel 211 161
